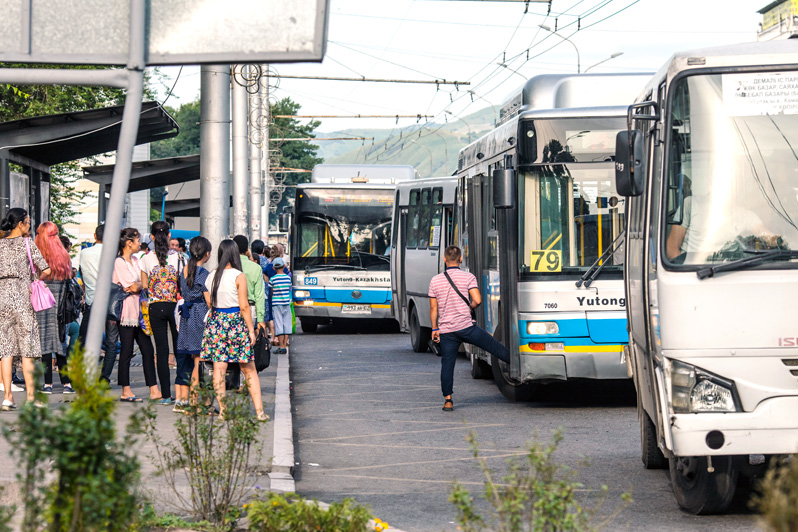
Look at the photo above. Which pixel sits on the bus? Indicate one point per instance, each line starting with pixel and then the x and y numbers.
pixel 340 235
pixel 541 228
pixel 710 170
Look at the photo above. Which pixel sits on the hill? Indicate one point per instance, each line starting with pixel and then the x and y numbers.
pixel 432 154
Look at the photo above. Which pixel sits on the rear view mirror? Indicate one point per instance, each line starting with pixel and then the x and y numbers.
pixel 504 188
pixel 629 163
pixel 284 222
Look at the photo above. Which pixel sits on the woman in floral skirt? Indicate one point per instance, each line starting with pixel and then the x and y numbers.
pixel 229 333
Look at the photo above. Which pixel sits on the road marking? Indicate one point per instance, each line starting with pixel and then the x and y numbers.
pixel 430 447
pixel 465 427
pixel 399 464
pixel 426 481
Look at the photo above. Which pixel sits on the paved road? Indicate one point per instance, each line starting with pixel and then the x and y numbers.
pixel 368 424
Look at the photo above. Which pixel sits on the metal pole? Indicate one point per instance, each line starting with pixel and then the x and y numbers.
pixel 240 147
pixel 121 179
pixel 254 169
pixel 265 114
pixel 5 187
pixel 215 155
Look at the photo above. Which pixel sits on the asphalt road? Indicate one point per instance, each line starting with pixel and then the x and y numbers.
pixel 368 424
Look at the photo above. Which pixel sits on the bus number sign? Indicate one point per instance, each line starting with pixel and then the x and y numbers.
pixel 311 280
pixel 546 261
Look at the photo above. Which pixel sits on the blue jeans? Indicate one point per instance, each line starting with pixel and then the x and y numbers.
pixel 450 344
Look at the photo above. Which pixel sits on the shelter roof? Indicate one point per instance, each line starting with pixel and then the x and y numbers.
pixel 150 174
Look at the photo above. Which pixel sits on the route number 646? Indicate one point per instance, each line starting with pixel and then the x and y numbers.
pixel 546 261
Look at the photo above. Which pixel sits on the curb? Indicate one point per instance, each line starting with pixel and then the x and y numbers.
pixel 281 475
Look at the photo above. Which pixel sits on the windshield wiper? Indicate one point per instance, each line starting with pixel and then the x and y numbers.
pixel 740 264
pixel 592 272
pixel 320 267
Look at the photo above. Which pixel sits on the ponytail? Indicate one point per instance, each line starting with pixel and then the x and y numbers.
pixel 197 249
pixel 160 237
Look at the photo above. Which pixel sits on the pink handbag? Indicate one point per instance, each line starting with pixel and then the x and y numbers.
pixel 40 296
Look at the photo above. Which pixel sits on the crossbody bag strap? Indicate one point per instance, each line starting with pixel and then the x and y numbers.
pixel 467 302
pixel 30 259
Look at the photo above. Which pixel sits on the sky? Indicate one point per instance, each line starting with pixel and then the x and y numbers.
pixel 469 41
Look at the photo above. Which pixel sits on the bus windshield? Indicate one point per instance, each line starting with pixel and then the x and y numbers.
pixel 343 227
pixel 732 174
pixel 569 215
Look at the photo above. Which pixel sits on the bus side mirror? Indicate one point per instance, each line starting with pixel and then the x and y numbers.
pixel 504 186
pixel 629 163
pixel 284 222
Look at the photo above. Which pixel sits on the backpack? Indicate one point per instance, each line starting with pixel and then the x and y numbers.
pixel 69 306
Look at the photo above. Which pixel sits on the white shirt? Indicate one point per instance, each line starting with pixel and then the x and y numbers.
pixel 227 294
pixel 707 232
pixel 89 268
pixel 150 261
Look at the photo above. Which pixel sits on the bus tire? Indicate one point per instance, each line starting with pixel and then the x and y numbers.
pixel 651 453
pixel 516 392
pixel 700 492
pixel 479 368
pixel 419 336
pixel 308 326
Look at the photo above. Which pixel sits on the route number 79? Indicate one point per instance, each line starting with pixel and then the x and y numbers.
pixel 546 261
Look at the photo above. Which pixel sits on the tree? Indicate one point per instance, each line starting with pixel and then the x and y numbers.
pixel 187 142
pixel 26 101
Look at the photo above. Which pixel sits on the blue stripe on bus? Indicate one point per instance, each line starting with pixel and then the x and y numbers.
pixel 579 332
pixel 344 295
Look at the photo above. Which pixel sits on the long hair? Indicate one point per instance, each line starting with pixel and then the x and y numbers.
pixel 13 218
pixel 197 249
pixel 160 236
pixel 228 254
pixel 128 234
pixel 53 251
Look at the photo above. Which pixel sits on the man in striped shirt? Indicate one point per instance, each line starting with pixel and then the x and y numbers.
pixel 280 285
pixel 452 324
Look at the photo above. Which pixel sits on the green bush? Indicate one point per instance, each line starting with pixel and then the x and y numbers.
pixel 778 497
pixel 538 494
pixel 96 479
pixel 291 513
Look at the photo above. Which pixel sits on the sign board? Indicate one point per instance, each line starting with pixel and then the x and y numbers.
pixel 179 31
pixel 771 93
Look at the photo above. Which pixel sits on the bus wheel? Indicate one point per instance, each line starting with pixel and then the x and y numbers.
pixel 419 336
pixel 479 368
pixel 651 453
pixel 700 492
pixel 308 326
pixel 511 390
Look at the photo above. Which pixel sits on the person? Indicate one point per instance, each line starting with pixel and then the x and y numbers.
pixel 255 287
pixel 259 248
pixel 280 285
pixel 229 333
pixel 52 343
pixel 178 245
pixel 192 321
pixel 89 268
pixel 19 335
pixel 127 273
pixel 277 252
pixel 451 319
pixel 159 273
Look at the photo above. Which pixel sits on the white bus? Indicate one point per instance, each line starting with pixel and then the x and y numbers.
pixel 712 269
pixel 340 238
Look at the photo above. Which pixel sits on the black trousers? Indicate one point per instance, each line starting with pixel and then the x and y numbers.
pixel 47 362
pixel 111 340
pixel 127 335
pixel 162 318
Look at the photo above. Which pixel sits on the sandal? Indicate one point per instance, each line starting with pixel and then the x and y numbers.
pixel 448 405
pixel 131 399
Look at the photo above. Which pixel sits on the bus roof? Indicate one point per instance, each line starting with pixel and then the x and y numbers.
pixel 362 173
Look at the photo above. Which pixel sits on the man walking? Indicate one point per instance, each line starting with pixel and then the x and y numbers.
pixel 89 268
pixel 452 324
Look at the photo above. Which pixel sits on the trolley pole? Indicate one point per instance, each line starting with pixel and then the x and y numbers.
pixel 254 163
pixel 240 146
pixel 215 151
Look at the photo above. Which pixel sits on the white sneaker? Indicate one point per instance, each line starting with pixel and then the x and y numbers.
pixel 14 388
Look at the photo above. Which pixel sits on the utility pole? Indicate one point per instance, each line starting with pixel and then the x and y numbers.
pixel 266 120
pixel 215 150
pixel 240 154
pixel 255 141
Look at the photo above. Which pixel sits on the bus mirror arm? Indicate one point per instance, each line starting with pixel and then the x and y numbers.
pixel 592 272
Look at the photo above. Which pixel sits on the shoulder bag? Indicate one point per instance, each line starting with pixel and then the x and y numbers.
pixel 467 301
pixel 40 296
pixel 262 351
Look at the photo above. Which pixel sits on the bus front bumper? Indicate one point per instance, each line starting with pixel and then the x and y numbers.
pixel 545 365
pixel 326 310
pixel 772 428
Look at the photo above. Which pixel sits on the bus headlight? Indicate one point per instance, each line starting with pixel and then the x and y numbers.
pixel 695 390
pixel 301 293
pixel 542 327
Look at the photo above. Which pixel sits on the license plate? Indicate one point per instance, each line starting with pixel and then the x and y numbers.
pixel 356 309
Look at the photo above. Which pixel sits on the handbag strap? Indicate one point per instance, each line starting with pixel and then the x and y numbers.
pixel 467 302
pixel 30 260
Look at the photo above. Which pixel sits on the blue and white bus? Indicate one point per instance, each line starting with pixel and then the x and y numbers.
pixel 340 243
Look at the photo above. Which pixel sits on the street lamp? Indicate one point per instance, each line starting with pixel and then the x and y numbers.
pixel 511 70
pixel 495 116
pixel 428 151
pixel 578 61
pixel 613 56
pixel 448 112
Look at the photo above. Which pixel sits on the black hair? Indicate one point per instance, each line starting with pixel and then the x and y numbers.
pixel 160 237
pixel 267 252
pixel 197 249
pixel 128 234
pixel 99 232
pixel 257 246
pixel 227 254
pixel 242 243
pixel 66 242
pixel 181 243
pixel 452 253
pixel 13 218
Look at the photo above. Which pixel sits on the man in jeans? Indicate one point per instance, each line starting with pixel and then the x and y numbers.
pixel 89 268
pixel 450 312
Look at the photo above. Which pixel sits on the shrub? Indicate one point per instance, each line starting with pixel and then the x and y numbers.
pixel 291 513
pixel 538 494
pixel 778 497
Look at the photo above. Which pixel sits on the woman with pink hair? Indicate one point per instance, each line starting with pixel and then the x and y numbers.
pixel 52 340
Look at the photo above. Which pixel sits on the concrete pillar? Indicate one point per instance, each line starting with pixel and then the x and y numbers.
pixel 240 154
pixel 255 184
pixel 265 114
pixel 215 155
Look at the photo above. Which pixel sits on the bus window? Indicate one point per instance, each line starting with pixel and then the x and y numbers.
pixel 423 225
pixel 435 219
pixel 413 216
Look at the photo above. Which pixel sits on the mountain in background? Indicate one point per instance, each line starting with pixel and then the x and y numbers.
pixel 431 148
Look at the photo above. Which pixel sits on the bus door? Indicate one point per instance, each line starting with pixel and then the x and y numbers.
pixel 491 287
pixel 402 270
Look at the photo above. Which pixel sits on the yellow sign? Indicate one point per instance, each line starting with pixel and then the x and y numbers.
pixel 546 261
pixel 782 11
